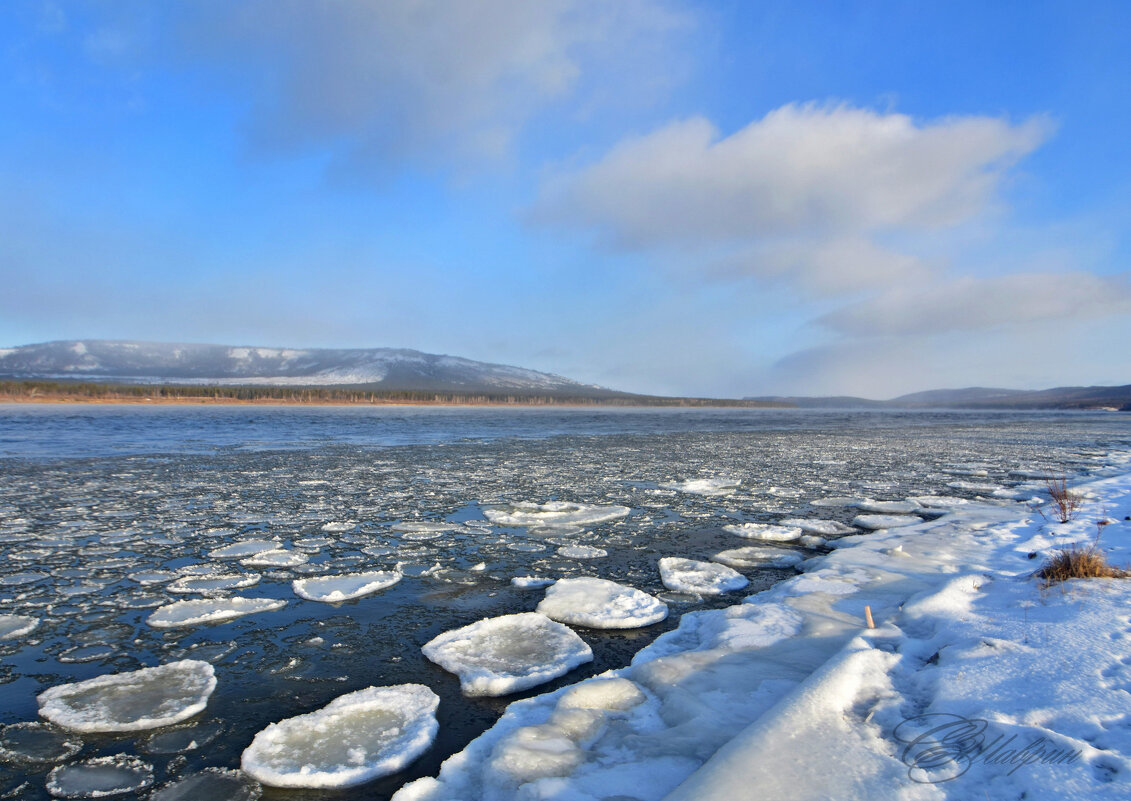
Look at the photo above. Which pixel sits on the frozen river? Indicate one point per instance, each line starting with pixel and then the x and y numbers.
pixel 109 515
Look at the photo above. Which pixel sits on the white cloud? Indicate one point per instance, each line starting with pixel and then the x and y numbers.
pixel 980 304
pixel 430 81
pixel 807 192
pixel 801 168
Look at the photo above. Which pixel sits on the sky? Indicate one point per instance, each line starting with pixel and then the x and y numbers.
pixel 719 199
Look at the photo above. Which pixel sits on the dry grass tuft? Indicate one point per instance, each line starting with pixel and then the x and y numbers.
pixel 1065 502
pixel 1086 561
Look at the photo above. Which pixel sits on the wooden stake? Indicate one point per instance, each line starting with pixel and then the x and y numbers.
pixel 868 617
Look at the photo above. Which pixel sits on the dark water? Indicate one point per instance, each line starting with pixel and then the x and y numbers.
pixel 91 495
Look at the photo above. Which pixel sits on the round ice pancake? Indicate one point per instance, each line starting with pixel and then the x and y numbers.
pixel 500 655
pixel 141 699
pixel 601 604
pixel 335 589
pixel 701 578
pixel 355 738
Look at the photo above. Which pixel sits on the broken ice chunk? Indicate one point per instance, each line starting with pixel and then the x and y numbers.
pixel 211 783
pixel 501 655
pixel 335 589
pixel 705 486
pixel 764 531
pixel 277 557
pixel 100 777
pixel 759 555
pixel 214 582
pixel 601 604
pixel 13 626
pixel 553 514
pixel 239 550
pixel 700 578
pixel 37 743
pixel 357 737
pixel 141 699
pixel 209 610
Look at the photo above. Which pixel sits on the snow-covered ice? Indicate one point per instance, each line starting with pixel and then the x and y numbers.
pixel 209 610
pixel 239 550
pixel 758 555
pixel 276 557
pixel 825 528
pixel 601 604
pixel 699 578
pixel 581 552
pixel 335 589
pixel 356 738
pixel 213 582
pixel 501 655
pixel 531 582
pixel 876 522
pixel 764 531
pixel 553 514
pixel 141 699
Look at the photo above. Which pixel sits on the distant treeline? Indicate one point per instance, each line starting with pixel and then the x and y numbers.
pixel 83 391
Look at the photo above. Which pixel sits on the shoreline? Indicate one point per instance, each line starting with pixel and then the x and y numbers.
pixel 204 401
pixel 963 632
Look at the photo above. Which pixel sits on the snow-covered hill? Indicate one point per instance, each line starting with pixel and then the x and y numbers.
pixel 379 368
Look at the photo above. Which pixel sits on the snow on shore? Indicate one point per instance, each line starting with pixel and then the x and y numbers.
pixel 977 682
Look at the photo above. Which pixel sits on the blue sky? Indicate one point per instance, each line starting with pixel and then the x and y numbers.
pixel 695 198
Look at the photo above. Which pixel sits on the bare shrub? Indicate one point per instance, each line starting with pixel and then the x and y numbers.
pixel 1065 502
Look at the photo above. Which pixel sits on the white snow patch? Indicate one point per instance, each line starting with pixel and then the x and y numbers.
pixel 826 528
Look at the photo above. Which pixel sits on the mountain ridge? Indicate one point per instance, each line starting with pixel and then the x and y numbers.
pixel 129 361
pixel 1094 397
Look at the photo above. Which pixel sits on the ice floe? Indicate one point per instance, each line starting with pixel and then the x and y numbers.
pixel 758 556
pixel 553 514
pixel 505 654
pixel 700 578
pixel 210 784
pixel 531 582
pixel 355 738
pixel 876 522
pixel 335 589
pixel 134 701
pixel 276 557
pixel 581 552
pixel 13 626
pixel 101 777
pixel 36 743
pixel 705 486
pixel 888 507
pixel 209 610
pixel 217 582
pixel 825 528
pixel 764 531
pixel 601 604
pixel 239 550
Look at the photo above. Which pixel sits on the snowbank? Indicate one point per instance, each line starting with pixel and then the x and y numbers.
pixel 1013 690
